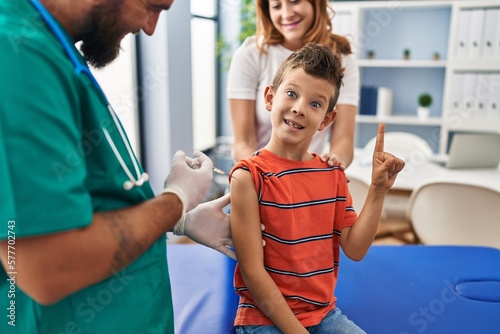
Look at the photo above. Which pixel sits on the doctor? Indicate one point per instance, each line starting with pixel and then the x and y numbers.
pixel 82 236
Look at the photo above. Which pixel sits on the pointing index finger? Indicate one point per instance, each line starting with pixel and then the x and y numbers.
pixel 379 143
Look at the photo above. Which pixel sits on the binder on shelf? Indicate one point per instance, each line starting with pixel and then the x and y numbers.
pixel 384 102
pixel 494 101
pixel 462 34
pixel 456 92
pixel 368 100
pixel 475 37
pixel 469 97
pixel 496 40
pixel 483 94
pixel 491 31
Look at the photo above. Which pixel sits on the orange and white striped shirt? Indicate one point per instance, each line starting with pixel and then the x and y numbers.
pixel 304 206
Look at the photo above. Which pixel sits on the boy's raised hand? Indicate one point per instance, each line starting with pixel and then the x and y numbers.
pixel 385 166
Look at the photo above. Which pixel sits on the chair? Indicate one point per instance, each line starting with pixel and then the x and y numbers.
pixel 358 190
pixel 413 150
pixel 405 145
pixel 387 227
pixel 453 213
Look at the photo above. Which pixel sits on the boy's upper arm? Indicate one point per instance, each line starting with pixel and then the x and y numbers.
pixel 350 216
pixel 344 235
pixel 245 219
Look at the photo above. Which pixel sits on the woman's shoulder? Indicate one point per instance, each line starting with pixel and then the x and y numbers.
pixel 247 51
pixel 254 46
pixel 249 45
pixel 259 61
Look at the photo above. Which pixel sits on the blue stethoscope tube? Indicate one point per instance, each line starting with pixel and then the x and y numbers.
pixel 81 68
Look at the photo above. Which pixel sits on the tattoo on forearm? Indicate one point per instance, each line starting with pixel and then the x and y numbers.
pixel 129 247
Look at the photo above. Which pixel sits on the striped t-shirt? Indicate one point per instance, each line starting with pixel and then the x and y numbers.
pixel 304 206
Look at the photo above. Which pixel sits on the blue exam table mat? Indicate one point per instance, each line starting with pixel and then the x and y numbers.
pixel 394 289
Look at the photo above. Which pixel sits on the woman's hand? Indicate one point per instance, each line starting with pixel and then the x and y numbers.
pixel 332 159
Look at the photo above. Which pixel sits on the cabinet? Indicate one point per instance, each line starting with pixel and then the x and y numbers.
pixel 454 56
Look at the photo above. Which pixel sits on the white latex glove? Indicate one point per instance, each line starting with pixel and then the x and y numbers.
pixel 189 178
pixel 208 225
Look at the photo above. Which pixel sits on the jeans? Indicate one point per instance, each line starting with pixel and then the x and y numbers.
pixel 334 323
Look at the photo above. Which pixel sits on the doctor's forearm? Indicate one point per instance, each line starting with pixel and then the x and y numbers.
pixel 51 267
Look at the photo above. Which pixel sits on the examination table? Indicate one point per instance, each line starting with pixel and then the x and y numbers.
pixel 394 289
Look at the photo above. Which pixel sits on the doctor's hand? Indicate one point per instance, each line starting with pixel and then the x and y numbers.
pixel 189 178
pixel 208 225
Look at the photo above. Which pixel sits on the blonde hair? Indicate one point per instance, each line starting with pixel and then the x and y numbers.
pixel 320 32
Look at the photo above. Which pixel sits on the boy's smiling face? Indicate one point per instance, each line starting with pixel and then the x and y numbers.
pixel 299 107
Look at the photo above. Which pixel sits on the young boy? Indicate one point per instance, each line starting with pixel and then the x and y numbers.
pixel 304 204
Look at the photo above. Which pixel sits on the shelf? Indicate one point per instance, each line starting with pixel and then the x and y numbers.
pixel 400 120
pixel 387 28
pixel 475 65
pixel 401 63
pixel 394 6
pixel 476 124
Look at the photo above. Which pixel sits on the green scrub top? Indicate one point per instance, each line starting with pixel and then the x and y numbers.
pixel 57 168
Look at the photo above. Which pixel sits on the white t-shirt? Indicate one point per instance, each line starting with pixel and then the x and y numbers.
pixel 251 71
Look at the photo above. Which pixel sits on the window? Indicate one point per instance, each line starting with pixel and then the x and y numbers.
pixel 204 72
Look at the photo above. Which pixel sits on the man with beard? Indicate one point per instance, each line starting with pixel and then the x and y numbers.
pixel 82 235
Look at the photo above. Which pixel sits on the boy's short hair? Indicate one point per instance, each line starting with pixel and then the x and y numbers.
pixel 316 60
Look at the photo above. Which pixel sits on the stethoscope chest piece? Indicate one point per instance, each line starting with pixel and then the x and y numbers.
pixel 129 184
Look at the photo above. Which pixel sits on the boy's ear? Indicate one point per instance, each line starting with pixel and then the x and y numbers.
pixel 268 97
pixel 329 118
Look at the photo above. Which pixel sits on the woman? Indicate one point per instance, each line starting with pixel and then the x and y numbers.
pixel 284 26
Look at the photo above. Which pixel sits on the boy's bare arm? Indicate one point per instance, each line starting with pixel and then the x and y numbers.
pixel 357 239
pixel 247 239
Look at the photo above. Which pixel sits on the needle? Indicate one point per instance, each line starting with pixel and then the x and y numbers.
pixel 215 169
pixel 221 172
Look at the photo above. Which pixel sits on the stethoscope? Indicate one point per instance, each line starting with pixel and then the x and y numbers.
pixel 82 68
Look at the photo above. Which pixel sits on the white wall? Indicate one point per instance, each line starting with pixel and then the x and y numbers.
pixel 165 91
pixel 229 19
pixel 118 83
